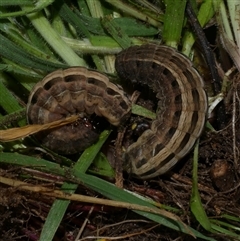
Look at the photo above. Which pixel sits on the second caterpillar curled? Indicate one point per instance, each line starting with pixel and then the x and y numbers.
pixel 181 111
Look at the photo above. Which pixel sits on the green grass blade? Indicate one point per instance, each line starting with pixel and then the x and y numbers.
pixel 13 117
pixel 19 55
pixel 69 16
pixel 24 72
pixel 90 153
pixel 59 207
pixel 134 28
pixel 116 32
pixel 39 5
pixel 56 214
pixel 132 11
pixel 7 101
pixel 173 22
pixel 102 167
pixel 34 49
pixel 141 111
pixel 230 226
pixel 54 40
pixel 196 205
pixel 224 231
pixel 15 2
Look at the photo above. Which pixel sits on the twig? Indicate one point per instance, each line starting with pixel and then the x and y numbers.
pixel 205 46
pixel 209 59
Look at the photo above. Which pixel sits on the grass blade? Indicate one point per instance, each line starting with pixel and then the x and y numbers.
pixel 54 40
pixel 173 22
pixel 196 204
pixel 59 207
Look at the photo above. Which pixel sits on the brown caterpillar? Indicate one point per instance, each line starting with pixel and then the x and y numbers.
pixel 76 90
pixel 181 112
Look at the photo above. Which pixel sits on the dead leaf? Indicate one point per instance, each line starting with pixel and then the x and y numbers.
pixel 24 131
